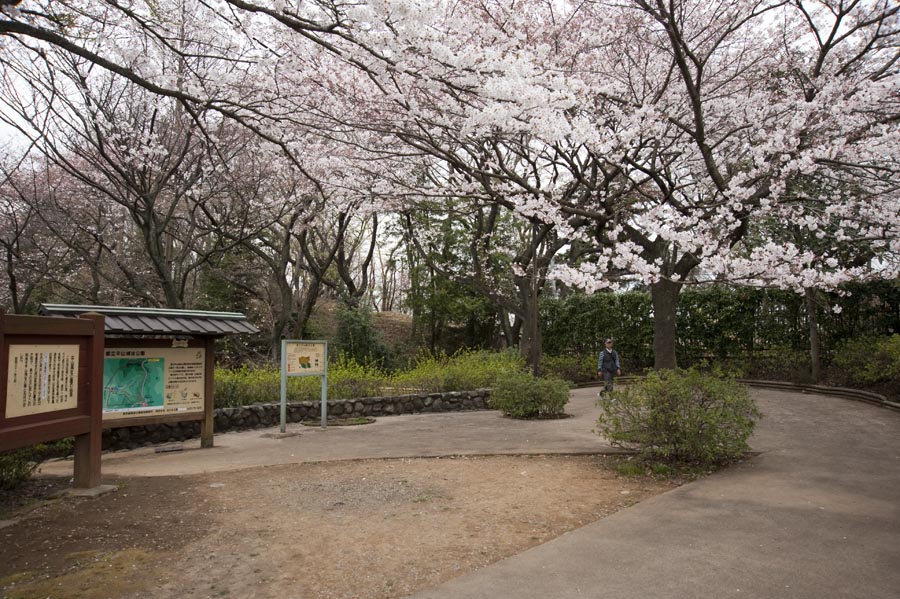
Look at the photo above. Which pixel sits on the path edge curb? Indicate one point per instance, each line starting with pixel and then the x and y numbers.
pixel 842 392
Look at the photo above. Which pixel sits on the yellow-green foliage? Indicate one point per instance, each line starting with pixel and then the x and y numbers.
pixel 463 371
pixel 243 386
pixel 348 379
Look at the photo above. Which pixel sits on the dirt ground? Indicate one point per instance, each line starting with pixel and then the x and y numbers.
pixel 372 529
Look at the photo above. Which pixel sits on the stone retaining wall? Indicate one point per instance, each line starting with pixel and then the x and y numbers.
pixel 268 415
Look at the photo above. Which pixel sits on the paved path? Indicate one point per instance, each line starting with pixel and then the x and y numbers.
pixel 816 515
pixel 415 435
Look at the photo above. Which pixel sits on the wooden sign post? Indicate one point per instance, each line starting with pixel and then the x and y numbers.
pixel 51 386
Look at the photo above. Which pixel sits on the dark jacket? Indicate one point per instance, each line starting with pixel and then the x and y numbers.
pixel 608 361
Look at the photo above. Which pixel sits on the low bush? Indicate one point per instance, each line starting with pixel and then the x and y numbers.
pixel 518 394
pixel 776 364
pixel 346 380
pixel 426 374
pixel 578 369
pixel 17 466
pixel 868 361
pixel 242 386
pixel 680 416
pixel 479 369
pixel 463 371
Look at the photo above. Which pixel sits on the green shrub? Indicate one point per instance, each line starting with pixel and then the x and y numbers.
pixel 518 394
pixel 348 379
pixel 356 337
pixel 427 374
pixel 776 364
pixel 680 416
pixel 578 369
pixel 479 369
pixel 16 466
pixel 244 386
pixel 868 361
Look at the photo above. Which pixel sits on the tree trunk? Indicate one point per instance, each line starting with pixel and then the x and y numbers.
pixel 304 313
pixel 530 327
pixel 815 358
pixel 508 337
pixel 530 341
pixel 282 317
pixel 664 295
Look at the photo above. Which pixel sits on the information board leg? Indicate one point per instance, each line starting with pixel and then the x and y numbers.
pixel 207 425
pixel 87 460
pixel 325 401
pixel 283 398
pixel 207 432
pixel 89 445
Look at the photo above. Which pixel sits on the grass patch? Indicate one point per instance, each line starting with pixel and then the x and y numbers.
pixel 635 466
pixel 97 575
pixel 631 469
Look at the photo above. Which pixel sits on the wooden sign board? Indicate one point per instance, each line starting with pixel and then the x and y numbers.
pixel 50 386
pixel 159 381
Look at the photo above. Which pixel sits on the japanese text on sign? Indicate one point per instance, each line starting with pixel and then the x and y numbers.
pixel 153 381
pixel 41 378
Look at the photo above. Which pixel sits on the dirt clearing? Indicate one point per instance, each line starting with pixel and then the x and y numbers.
pixel 361 529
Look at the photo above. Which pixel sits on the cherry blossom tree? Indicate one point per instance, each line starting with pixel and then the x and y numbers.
pixel 34 261
pixel 652 136
pixel 664 131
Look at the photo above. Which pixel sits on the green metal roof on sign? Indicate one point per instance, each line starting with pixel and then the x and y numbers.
pixel 155 321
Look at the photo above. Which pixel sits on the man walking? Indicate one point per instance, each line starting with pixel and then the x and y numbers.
pixel 608 366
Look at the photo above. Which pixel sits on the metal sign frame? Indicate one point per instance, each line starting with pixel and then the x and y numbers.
pixel 286 372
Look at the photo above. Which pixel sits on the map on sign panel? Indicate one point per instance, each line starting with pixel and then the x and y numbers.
pixel 133 383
